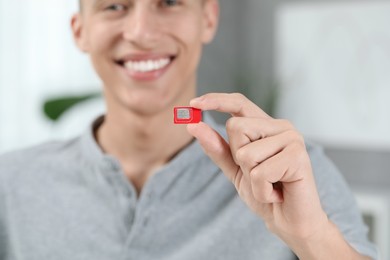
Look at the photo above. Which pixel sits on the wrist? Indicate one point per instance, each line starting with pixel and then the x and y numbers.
pixel 327 243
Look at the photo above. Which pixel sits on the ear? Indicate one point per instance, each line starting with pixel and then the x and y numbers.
pixel 78 32
pixel 211 17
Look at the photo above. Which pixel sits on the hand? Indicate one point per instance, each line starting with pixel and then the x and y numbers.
pixel 267 161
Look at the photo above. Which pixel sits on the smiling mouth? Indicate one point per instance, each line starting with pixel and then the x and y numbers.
pixel 146 65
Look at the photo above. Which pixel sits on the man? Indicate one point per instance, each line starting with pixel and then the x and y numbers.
pixel 139 187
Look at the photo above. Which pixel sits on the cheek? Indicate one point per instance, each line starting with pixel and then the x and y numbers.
pixel 101 42
pixel 101 35
pixel 191 39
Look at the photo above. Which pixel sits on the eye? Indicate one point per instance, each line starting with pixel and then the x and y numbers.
pixel 116 7
pixel 170 3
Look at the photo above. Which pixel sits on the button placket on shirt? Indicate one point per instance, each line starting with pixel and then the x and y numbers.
pixel 144 206
pixel 142 228
pixel 125 192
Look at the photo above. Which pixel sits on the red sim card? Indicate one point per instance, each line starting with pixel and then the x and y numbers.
pixel 187 115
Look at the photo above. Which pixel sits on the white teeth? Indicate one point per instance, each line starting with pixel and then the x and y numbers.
pixel 147 65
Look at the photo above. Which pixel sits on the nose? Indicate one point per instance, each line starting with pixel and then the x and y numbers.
pixel 142 28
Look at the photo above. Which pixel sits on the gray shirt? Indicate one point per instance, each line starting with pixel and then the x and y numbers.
pixel 69 200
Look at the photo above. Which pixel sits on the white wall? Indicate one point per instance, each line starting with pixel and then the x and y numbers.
pixel 333 65
pixel 38 60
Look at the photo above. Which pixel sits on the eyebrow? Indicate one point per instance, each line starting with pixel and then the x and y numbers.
pixel 97 2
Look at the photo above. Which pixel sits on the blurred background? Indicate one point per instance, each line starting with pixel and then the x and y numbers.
pixel 323 64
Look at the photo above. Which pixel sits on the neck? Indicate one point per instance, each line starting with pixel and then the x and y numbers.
pixel 142 143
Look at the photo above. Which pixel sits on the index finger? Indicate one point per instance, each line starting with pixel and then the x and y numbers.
pixel 235 104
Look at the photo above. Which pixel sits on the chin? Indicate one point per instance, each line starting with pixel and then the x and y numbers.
pixel 148 105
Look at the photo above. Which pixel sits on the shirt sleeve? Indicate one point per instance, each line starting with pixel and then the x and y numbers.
pixel 339 203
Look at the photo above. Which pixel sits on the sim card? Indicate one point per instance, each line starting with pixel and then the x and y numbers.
pixel 187 115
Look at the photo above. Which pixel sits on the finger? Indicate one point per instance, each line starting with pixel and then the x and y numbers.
pixel 215 147
pixel 242 130
pixel 255 153
pixel 264 182
pixel 235 104
pixel 270 178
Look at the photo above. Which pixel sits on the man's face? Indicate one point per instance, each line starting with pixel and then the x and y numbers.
pixel 145 51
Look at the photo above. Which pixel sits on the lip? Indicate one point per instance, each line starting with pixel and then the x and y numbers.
pixel 144 76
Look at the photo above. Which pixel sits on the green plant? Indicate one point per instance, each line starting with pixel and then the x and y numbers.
pixel 54 108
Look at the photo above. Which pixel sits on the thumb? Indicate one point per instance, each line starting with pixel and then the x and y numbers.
pixel 215 147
